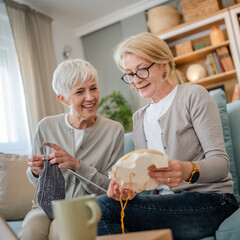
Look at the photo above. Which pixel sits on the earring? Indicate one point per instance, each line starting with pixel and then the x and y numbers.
pixel 164 75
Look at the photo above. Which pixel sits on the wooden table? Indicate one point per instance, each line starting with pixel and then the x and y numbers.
pixel 163 234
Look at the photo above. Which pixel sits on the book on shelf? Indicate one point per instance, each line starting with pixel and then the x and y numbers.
pixel 223 61
pixel 213 63
pixel 217 62
pixel 209 65
pixel 225 58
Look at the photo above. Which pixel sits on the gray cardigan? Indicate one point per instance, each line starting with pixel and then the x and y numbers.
pixel 192 131
pixel 101 147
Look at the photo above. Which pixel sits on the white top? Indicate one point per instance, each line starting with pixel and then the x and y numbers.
pixel 153 130
pixel 78 135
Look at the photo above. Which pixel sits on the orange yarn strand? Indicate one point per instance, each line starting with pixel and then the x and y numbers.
pixel 125 204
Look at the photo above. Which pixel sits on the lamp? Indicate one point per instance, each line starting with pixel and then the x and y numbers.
pixel 67 51
pixel 195 72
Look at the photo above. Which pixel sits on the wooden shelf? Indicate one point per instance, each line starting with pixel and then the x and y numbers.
pixel 215 78
pixel 198 31
pixel 197 54
pixel 193 30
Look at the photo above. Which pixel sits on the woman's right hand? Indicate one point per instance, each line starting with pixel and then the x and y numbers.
pixel 114 192
pixel 35 162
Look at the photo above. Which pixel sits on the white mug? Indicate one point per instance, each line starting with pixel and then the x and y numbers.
pixel 77 218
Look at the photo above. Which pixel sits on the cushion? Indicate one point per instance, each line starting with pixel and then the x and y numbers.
pixel 220 98
pixel 16 192
pixel 229 228
pixel 128 143
pixel 234 120
pixel 208 238
pixel 15 226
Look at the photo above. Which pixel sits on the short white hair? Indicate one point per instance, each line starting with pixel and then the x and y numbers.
pixel 70 73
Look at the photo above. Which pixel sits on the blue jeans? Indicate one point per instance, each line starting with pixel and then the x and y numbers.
pixel 190 215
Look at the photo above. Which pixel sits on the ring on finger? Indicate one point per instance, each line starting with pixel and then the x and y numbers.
pixel 168 180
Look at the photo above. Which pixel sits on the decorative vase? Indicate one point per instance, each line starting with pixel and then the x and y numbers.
pixel 216 35
pixel 163 17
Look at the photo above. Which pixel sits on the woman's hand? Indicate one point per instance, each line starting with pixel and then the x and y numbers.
pixel 114 192
pixel 173 174
pixel 62 157
pixel 35 162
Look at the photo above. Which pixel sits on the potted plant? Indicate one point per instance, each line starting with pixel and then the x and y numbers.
pixel 116 107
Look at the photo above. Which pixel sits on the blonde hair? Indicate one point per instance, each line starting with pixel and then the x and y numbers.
pixel 147 46
pixel 71 72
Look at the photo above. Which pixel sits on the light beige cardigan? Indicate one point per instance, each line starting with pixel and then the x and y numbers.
pixel 192 131
pixel 101 147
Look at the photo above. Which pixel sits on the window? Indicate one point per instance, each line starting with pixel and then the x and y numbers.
pixel 14 130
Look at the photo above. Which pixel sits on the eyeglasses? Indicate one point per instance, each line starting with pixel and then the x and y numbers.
pixel 141 73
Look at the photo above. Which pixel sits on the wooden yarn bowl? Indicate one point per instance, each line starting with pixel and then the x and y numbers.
pixel 163 17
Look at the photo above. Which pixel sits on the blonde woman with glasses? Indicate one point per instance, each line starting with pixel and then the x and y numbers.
pixel 195 192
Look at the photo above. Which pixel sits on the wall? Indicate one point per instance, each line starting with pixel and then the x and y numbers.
pixel 63 36
pixel 98 49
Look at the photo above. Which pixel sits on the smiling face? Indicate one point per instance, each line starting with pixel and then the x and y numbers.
pixel 152 87
pixel 83 101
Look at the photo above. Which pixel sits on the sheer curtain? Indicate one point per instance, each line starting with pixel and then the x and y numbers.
pixel 14 129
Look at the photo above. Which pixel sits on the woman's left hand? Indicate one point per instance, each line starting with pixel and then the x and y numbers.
pixel 62 157
pixel 173 174
pixel 114 192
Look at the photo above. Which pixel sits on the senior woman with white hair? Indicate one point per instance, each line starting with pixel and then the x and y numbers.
pixel 80 140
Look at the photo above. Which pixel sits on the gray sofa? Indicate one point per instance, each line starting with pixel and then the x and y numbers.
pixel 16 193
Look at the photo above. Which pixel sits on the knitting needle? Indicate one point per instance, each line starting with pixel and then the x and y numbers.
pixel 83 178
pixel 47 150
pixel 74 173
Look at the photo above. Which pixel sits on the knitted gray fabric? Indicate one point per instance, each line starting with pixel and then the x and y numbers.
pixel 51 187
